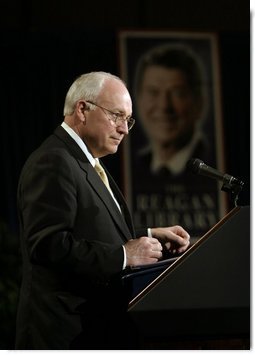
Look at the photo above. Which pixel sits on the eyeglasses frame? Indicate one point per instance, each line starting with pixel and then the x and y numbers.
pixel 115 116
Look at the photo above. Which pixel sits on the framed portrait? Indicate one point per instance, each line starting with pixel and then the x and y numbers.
pixel 174 81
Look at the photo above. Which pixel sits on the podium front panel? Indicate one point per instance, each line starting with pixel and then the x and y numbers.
pixel 207 292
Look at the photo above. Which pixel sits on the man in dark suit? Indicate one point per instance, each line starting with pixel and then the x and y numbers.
pixel 77 234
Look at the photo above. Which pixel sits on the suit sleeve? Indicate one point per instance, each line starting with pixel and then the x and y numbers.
pixel 141 232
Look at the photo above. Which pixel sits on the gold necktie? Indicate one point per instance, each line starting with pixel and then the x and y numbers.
pixel 100 170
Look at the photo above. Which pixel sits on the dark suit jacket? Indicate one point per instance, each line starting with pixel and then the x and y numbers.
pixel 72 234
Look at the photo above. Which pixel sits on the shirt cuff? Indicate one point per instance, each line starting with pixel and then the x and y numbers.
pixel 149 233
pixel 125 258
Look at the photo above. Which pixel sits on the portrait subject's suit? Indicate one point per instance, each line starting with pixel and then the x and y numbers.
pixel 165 197
pixel 72 234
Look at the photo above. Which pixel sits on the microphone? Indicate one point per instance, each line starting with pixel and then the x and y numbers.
pixel 197 166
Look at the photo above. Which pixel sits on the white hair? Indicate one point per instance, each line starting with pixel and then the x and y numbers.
pixel 86 87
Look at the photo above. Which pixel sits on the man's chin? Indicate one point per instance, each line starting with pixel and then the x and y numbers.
pixel 113 150
pixel 165 140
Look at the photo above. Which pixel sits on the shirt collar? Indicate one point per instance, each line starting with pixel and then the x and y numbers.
pixel 177 163
pixel 80 143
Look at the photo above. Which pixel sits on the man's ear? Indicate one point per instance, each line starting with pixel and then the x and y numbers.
pixel 81 109
pixel 81 106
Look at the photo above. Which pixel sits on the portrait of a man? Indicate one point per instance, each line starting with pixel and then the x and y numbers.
pixel 173 83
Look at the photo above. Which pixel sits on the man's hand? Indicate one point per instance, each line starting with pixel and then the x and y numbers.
pixel 175 239
pixel 143 250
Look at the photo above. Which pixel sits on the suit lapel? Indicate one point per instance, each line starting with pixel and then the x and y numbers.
pixel 124 225
pixel 121 200
pixel 96 183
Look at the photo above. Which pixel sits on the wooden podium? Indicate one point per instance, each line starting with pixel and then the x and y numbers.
pixel 201 300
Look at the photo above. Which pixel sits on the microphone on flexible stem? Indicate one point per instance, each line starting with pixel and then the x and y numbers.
pixel 230 183
pixel 197 166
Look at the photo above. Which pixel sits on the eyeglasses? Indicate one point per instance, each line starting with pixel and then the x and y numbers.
pixel 117 117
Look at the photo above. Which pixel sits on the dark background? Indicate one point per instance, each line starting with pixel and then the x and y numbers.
pixel 46 44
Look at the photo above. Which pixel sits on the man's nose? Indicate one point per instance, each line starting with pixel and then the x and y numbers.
pixel 123 127
pixel 166 101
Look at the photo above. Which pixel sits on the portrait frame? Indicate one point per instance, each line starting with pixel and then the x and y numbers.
pixel 135 43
